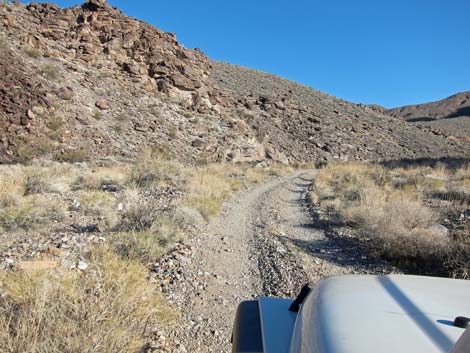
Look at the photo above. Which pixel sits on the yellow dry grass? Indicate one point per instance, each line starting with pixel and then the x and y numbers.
pixel 386 205
pixel 95 178
pixel 108 308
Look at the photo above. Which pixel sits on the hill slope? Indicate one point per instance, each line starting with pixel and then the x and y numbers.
pixel 451 114
pixel 320 125
pixel 88 82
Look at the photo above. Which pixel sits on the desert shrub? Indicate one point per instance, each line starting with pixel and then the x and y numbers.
pixel 37 184
pixel 153 168
pixel 117 128
pixel 29 212
pixel 36 148
pixel 74 156
pixel 458 257
pixel 145 235
pixel 387 209
pixel 401 228
pixel 108 308
pixel 55 123
pixel 138 214
pixel 99 177
pixel 50 72
pixel 33 52
pixel 11 182
pixel 145 246
pixel 46 176
pixel 97 115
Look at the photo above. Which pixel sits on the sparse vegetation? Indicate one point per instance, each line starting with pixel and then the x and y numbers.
pixel 33 52
pixel 3 42
pixel 399 211
pixel 138 214
pixel 50 72
pixel 97 115
pixel 98 178
pixel 33 149
pixel 74 156
pixel 110 305
pixel 29 212
pixel 144 246
pixel 55 123
pixel 108 308
pixel 153 167
pixel 117 128
pixel 209 187
pixel 97 203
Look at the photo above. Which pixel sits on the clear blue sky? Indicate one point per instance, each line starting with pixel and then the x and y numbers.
pixel 389 52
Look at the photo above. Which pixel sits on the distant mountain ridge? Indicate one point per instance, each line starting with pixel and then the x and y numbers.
pixel 451 115
pixel 454 106
pixel 90 82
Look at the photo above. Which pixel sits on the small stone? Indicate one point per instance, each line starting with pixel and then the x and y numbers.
pixel 82 265
pixel 102 104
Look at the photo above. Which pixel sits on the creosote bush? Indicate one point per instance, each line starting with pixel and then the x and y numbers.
pixel 108 308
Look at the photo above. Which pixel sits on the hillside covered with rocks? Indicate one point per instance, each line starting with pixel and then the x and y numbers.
pixel 451 115
pixel 88 81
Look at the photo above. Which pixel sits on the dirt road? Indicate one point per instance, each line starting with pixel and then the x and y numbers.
pixel 266 241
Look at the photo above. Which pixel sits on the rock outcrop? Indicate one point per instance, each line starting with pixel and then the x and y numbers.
pixel 88 82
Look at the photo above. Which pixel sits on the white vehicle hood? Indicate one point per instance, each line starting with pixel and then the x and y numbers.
pixel 381 314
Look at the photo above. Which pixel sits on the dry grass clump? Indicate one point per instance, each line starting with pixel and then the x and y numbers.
pixel 387 206
pixel 145 231
pixel 400 225
pixel 74 156
pixel 108 308
pixel 11 185
pixel 144 246
pixel 209 187
pixel 261 174
pixel 33 52
pixel 28 212
pixel 138 213
pixel 101 205
pixel 458 260
pixel 153 169
pixel 99 177
pixel 50 72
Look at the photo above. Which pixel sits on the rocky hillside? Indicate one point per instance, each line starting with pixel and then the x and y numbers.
pixel 89 82
pixel 322 126
pixel 450 115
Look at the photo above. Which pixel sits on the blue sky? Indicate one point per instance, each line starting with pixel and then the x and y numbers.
pixel 388 52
